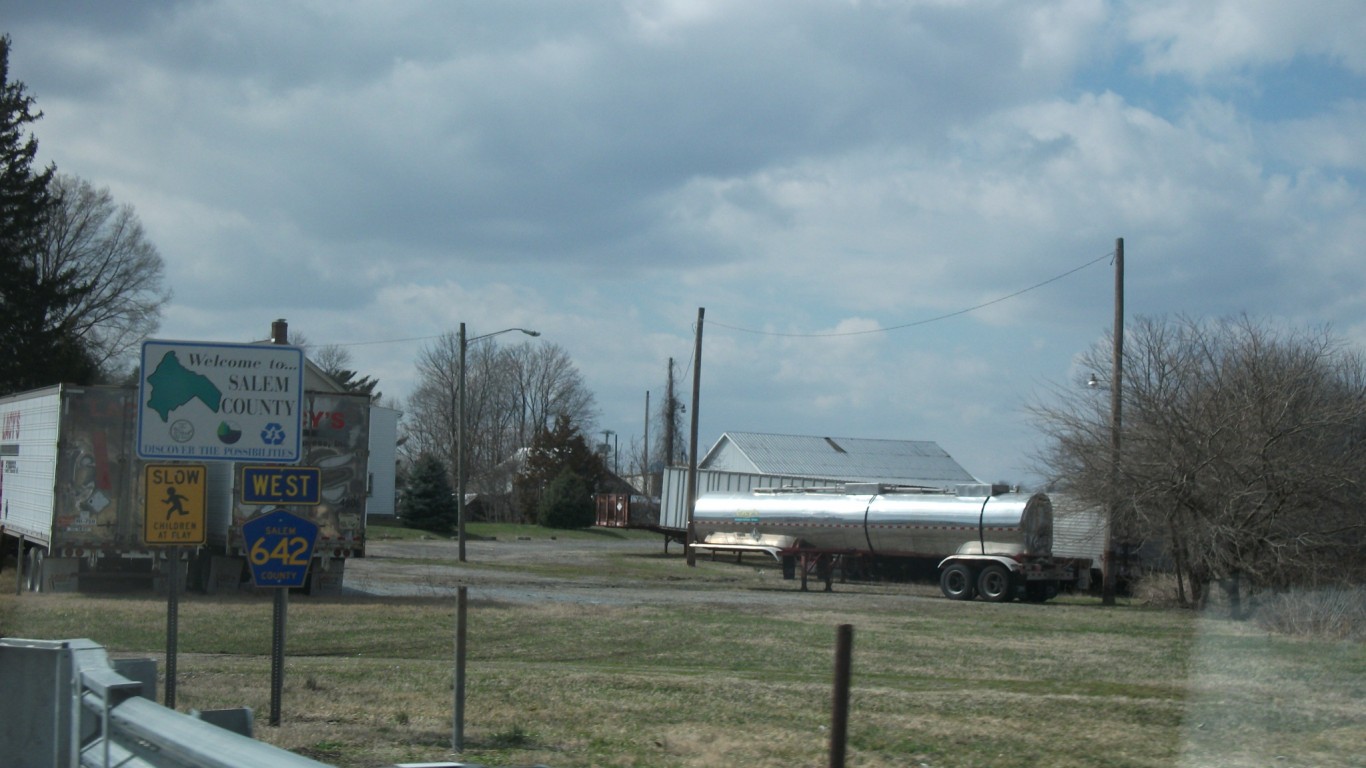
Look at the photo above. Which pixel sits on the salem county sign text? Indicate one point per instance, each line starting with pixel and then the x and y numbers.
pixel 220 402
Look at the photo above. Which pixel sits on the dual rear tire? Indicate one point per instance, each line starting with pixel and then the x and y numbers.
pixel 993 583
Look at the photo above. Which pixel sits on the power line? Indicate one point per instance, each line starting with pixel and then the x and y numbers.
pixel 383 341
pixel 921 322
pixel 927 321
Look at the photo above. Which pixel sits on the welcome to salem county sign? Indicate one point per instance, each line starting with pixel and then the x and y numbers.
pixel 221 402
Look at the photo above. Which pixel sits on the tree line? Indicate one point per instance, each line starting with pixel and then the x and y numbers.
pixel 83 284
pixel 1243 452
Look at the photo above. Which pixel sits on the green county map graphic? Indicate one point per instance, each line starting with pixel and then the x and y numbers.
pixel 174 385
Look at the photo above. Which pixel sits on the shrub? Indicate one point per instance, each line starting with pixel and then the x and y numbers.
pixel 1336 614
pixel 566 503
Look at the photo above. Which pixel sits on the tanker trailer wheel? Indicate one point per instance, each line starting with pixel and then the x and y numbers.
pixel 957 582
pixel 994 585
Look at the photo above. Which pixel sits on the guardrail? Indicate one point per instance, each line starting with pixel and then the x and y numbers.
pixel 65 706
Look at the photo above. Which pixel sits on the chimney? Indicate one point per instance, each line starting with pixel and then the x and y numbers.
pixel 279 332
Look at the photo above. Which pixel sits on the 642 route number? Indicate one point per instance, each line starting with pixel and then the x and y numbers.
pixel 279 547
pixel 288 550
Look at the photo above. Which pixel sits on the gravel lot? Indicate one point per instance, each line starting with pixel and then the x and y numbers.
pixel 432 569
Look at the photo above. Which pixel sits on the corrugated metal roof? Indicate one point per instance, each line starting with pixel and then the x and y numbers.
pixel 910 462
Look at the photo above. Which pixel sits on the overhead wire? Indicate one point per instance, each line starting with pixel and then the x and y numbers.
pixel 926 321
pixel 832 334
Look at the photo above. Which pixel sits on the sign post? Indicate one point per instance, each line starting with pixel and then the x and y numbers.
pixel 174 505
pixel 279 548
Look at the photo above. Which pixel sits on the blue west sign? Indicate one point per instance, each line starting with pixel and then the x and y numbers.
pixel 279 548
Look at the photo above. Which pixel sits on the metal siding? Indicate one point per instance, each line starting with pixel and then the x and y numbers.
pixel 1078 529
pixel 725 456
pixel 29 481
pixel 222 489
pixel 383 456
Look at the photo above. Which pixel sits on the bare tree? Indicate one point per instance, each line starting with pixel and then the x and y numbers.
pixel 1243 450
pixel 105 248
pixel 432 427
pixel 513 393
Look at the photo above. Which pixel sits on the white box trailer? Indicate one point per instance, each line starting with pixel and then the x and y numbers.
pixel 72 496
pixel 69 484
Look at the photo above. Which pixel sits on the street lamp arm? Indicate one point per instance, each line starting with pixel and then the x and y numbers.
pixel 460 433
pixel 528 332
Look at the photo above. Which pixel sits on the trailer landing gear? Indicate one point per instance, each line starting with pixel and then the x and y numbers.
pixel 822 564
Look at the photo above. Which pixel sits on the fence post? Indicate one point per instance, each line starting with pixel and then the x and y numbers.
pixel 839 714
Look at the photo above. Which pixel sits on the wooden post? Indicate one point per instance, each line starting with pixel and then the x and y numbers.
pixel 1116 401
pixel 692 438
pixel 458 725
pixel 839 710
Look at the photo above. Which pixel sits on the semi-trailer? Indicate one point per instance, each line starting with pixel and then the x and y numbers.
pixel 73 492
pixel 984 543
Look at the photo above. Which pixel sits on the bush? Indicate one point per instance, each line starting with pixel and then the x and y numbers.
pixel 567 503
pixel 1156 589
pixel 1334 614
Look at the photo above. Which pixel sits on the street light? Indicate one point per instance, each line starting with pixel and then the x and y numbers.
pixel 460 432
pixel 1108 576
pixel 608 448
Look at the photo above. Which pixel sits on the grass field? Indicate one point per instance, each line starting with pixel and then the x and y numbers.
pixel 702 682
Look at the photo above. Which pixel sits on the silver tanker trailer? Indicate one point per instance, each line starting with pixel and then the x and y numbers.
pixel 998 546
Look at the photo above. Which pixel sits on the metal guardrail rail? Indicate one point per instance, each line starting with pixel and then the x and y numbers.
pixel 65 706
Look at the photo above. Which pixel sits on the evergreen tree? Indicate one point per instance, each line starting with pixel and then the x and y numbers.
pixel 428 499
pixel 552 452
pixel 33 352
pixel 567 503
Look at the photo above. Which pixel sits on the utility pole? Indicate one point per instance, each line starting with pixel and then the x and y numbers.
pixel 670 420
pixel 1107 594
pixel 645 459
pixel 692 438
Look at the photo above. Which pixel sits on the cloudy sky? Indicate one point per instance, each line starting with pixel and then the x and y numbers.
pixel 896 215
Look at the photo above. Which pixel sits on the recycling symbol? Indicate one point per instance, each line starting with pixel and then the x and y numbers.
pixel 273 434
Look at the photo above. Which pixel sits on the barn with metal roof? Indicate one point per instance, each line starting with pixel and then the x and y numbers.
pixel 903 462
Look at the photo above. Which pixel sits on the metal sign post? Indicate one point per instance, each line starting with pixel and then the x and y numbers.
pixel 174 512
pixel 279 549
pixel 279 616
pixel 172 624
